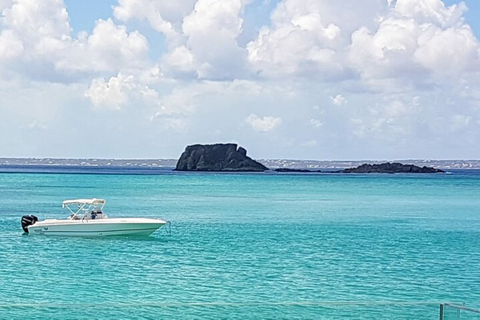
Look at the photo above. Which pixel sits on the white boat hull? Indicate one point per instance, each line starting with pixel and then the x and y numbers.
pixel 97 227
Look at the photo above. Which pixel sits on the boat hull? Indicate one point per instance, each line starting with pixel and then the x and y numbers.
pixel 97 228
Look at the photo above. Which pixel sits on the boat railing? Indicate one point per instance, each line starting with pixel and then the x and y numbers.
pixel 389 309
pixel 452 311
pixel 86 211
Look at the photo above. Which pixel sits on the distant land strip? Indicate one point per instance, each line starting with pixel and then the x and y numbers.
pixel 270 163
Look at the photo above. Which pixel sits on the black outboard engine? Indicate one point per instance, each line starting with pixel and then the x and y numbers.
pixel 28 221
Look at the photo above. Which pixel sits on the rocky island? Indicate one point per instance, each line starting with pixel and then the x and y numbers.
pixel 233 158
pixel 390 168
pixel 217 157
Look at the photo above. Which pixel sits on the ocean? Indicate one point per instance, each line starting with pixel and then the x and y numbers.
pixel 245 246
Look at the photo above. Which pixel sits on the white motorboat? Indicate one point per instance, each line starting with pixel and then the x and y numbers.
pixel 88 219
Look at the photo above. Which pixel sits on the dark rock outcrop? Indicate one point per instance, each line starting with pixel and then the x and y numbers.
pixel 296 170
pixel 390 168
pixel 217 157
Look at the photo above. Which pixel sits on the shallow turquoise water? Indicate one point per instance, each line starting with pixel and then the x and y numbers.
pixel 246 246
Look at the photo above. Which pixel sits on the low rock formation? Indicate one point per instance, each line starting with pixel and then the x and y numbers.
pixel 390 168
pixel 217 157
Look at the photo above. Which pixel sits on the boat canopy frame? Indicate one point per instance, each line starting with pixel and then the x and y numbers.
pixel 83 207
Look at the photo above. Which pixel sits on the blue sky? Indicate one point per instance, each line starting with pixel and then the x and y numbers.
pixel 303 79
pixel 471 16
pixel 83 14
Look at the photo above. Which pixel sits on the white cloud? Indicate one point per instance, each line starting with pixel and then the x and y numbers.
pixel 201 35
pixel 4 4
pixel 212 30
pixel 37 38
pixel 393 120
pixel 33 33
pixel 179 61
pixel 108 48
pixel 184 100
pixel 316 123
pixel 386 53
pixel 111 94
pixel 210 15
pixel 298 43
pixel 416 43
pixel 180 102
pixel 163 16
pixel 449 52
pixel 38 19
pixel 119 91
pixel 10 46
pixel 264 124
pixel 431 11
pixel 395 109
pixel 406 42
pixel 338 100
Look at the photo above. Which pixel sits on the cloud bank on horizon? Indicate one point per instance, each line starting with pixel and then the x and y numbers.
pixel 304 79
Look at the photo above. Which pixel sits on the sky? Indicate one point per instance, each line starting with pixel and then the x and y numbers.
pixel 294 79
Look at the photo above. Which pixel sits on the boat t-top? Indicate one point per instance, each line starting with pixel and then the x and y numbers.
pixel 86 218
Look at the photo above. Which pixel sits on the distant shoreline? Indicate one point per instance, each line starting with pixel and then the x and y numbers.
pixel 270 163
pixel 132 170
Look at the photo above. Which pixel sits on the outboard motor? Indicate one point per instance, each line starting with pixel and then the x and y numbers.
pixel 28 221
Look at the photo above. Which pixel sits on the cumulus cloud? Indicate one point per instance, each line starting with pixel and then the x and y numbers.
pixel 10 45
pixel 404 42
pixel 47 19
pixel 431 11
pixel 108 48
pixel 449 52
pixel 264 124
pixel 299 42
pixel 111 93
pixel 119 91
pixel 163 16
pixel 33 33
pixel 212 30
pixel 201 35
pixel 416 42
pixel 37 36
pixel 180 62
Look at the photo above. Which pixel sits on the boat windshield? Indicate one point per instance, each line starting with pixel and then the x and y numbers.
pixel 85 208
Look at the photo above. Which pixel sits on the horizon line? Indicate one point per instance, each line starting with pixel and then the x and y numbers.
pixel 258 159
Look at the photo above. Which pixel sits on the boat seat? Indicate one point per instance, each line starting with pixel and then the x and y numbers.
pixel 95 215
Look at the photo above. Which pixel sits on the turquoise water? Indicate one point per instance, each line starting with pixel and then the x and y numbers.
pixel 246 246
